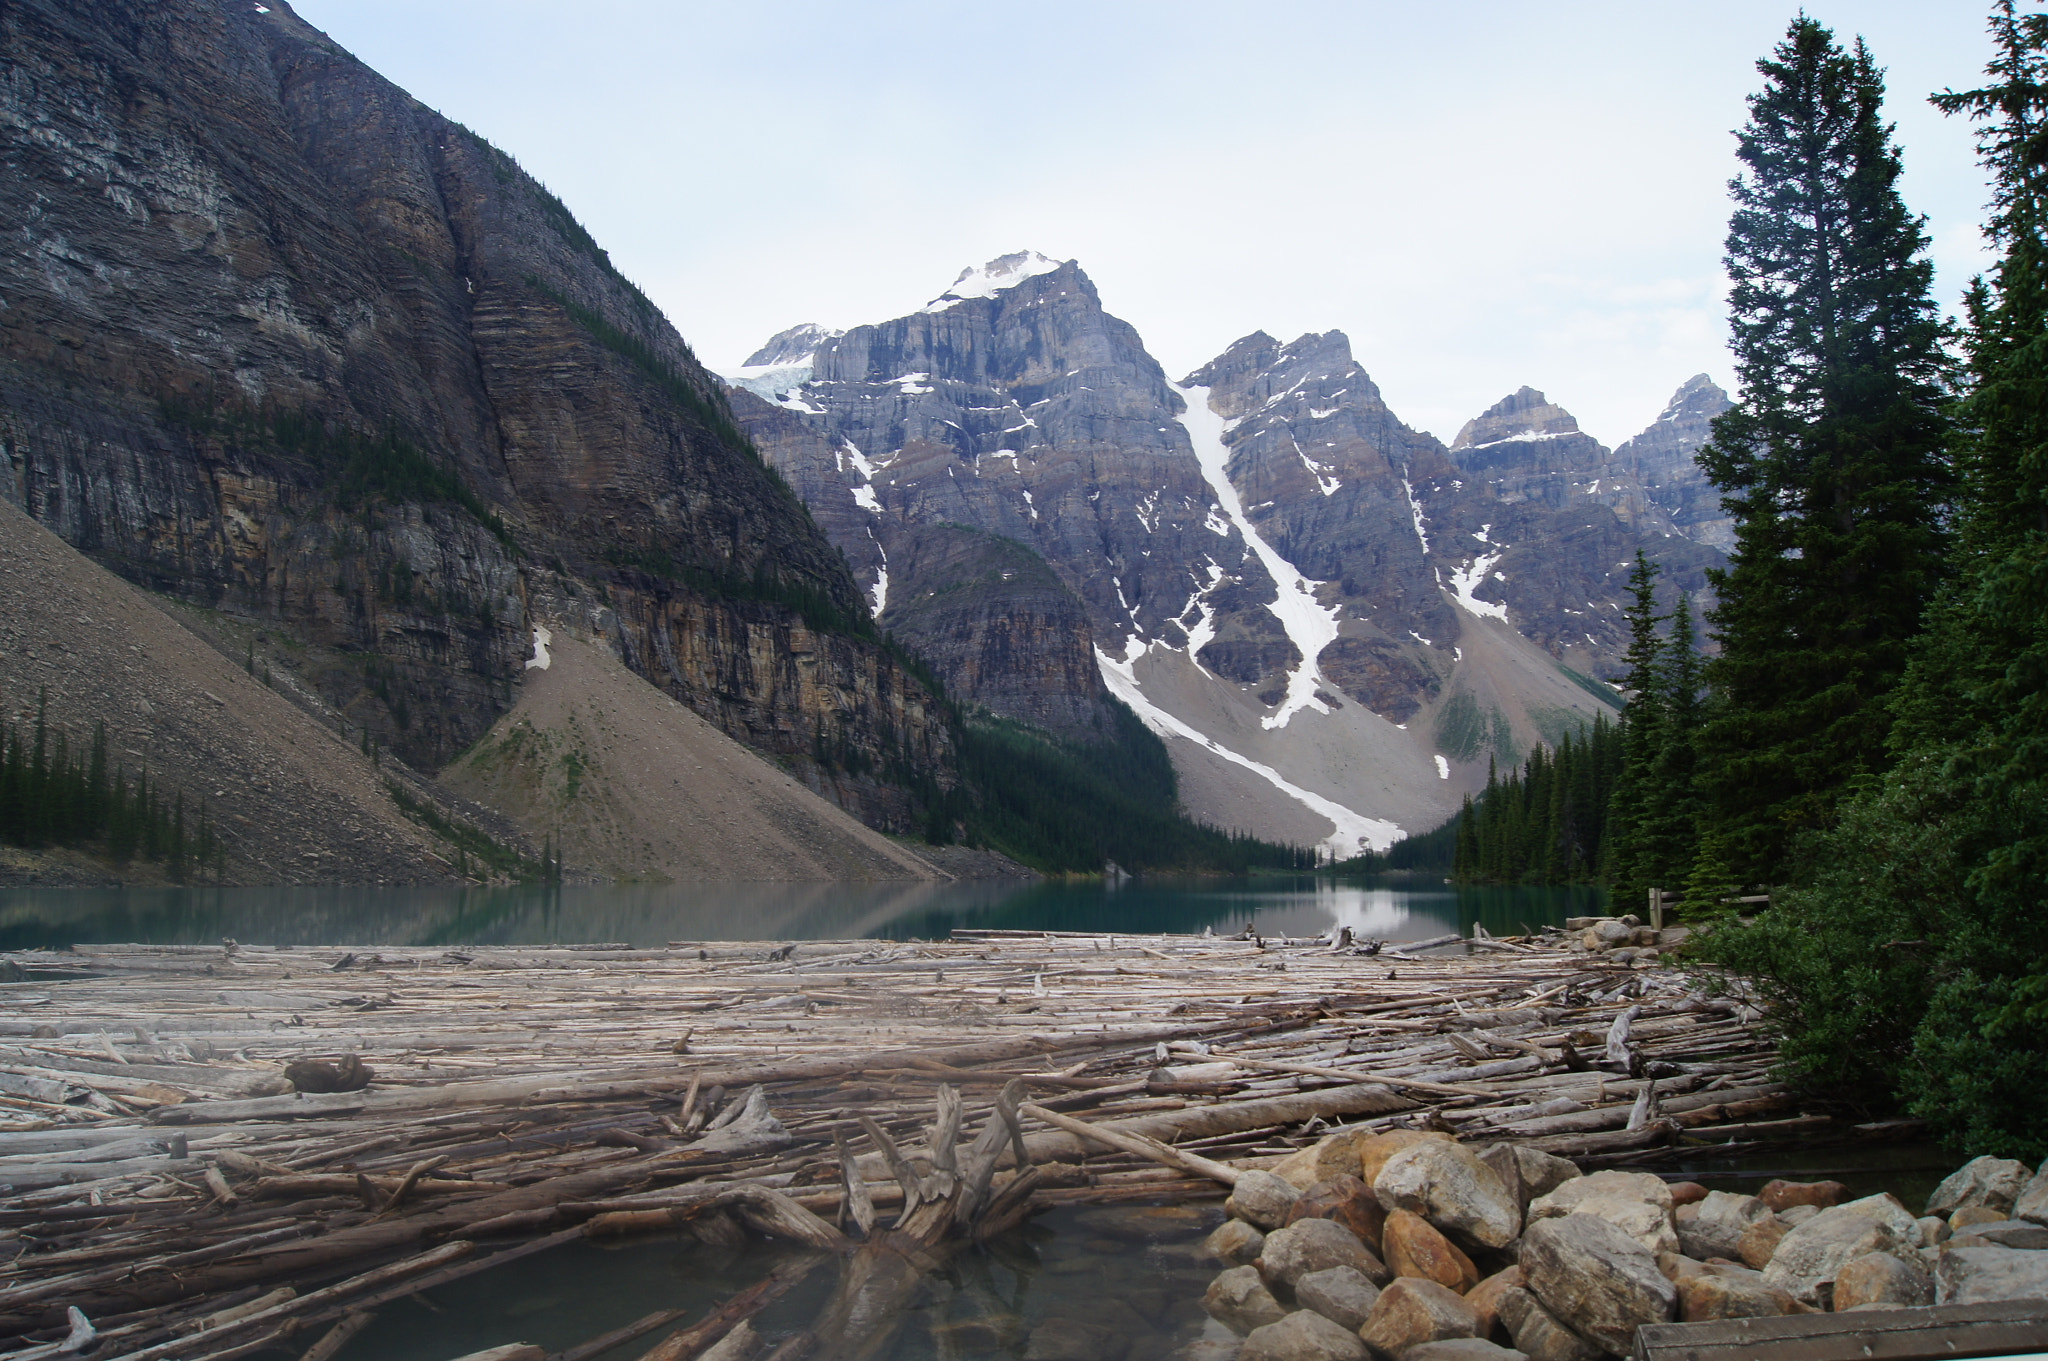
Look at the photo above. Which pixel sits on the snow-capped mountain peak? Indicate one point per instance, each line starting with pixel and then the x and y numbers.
pixel 985 281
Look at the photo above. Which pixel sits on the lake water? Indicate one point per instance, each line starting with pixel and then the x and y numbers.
pixel 1390 908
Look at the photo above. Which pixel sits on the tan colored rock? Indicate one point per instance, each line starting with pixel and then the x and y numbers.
pixel 1347 1200
pixel 1538 1334
pixel 1462 1349
pixel 1239 1300
pixel 1637 1203
pixel 1415 1248
pixel 1687 1193
pixel 2032 1204
pixel 1314 1245
pixel 1341 1294
pixel 1975 1214
pixel 1933 1230
pixel 1970 1272
pixel 1527 1172
pixel 1883 1280
pixel 1485 1300
pixel 1715 1226
pixel 1760 1242
pixel 1374 1152
pixel 1711 1295
pixel 1261 1199
pixel 1596 1278
pixel 1412 1311
pixel 1303 1335
pixel 1993 1182
pixel 1235 1243
pixel 1808 1257
pixel 1334 1155
pixel 1676 1267
pixel 1783 1195
pixel 1447 1184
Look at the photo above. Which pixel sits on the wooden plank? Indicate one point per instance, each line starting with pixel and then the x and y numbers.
pixel 1944 1330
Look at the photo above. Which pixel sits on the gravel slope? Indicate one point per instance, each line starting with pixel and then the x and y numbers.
pixel 633 785
pixel 294 802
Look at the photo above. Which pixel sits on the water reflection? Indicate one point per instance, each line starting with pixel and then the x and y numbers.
pixel 1392 909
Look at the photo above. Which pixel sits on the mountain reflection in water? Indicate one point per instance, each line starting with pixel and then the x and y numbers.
pixel 1389 908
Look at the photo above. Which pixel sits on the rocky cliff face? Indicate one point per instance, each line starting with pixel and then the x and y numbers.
pixel 282 341
pixel 1660 459
pixel 1334 620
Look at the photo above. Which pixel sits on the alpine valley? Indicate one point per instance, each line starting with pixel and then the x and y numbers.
pixel 1337 623
pixel 340 458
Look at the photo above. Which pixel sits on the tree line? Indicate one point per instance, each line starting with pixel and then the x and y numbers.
pixel 1868 739
pixel 53 795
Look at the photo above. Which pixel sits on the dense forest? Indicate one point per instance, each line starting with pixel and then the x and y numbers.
pixel 1867 737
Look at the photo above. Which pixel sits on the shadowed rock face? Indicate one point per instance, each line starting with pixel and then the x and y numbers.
pixel 1000 627
pixel 1660 459
pixel 281 341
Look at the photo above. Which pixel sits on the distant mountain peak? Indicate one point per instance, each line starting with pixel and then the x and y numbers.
pixel 985 281
pixel 793 346
pixel 1523 414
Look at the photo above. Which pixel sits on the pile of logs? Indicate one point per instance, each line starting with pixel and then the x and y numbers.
pixel 168 1194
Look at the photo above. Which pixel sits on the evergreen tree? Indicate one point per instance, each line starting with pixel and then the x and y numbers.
pixel 1668 833
pixel 1832 461
pixel 1630 807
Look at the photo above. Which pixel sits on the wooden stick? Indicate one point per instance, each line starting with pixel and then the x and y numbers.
pixel 1343 1075
pixel 337 1337
pixel 617 1337
pixel 1137 1143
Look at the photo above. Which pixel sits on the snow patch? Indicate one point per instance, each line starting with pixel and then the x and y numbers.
pixel 1468 579
pixel 1029 504
pixel 1354 832
pixel 1443 769
pixel 1309 624
pixel 913 385
pixel 540 659
pixel 1006 271
pixel 1415 514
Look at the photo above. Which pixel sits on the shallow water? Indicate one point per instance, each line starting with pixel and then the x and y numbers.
pixel 1133 1272
pixel 1389 908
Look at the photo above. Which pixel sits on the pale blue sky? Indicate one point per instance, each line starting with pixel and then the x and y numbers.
pixel 1482 195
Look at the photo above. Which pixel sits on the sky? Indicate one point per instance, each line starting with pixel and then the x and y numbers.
pixel 1481 195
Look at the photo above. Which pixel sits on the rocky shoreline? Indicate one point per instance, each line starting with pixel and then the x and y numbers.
pixel 1410 1246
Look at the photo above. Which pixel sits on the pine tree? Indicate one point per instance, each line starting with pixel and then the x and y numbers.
pixel 1630 810
pixel 1668 833
pixel 1832 462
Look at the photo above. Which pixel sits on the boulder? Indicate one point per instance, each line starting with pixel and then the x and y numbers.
pixel 1315 1245
pixel 1234 1243
pixel 1303 1335
pixel 1595 1278
pixel 1760 1242
pixel 2033 1201
pixel 1808 1257
pixel 1716 1225
pixel 1980 1273
pixel 1711 1295
pixel 1798 1214
pixel 1261 1199
pixel 1527 1172
pixel 1348 1201
pixel 1341 1294
pixel 1374 1152
pixel 1448 1185
pixel 1333 1155
pixel 1485 1299
pixel 1933 1229
pixel 1064 1339
pixel 1783 1195
pixel 1412 1311
pixel 1676 1267
pixel 1239 1300
pixel 1993 1182
pixel 1414 1248
pixel 1881 1280
pixel 1462 1349
pixel 1975 1214
pixel 1612 932
pixel 1538 1334
pixel 1685 1193
pixel 2009 1233
pixel 1637 1203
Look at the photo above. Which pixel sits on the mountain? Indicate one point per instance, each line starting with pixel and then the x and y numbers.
pixel 1333 620
pixel 282 343
pixel 1660 459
